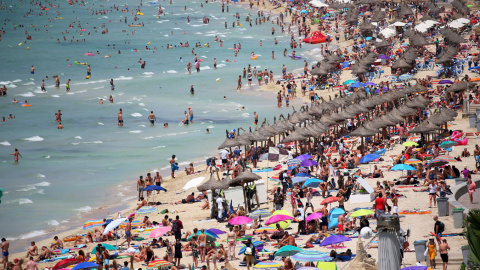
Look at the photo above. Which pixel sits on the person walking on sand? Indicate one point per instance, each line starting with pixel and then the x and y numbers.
pixel 31 264
pixel 16 154
pixel 5 245
pixel 140 186
pixel 443 249
pixel 152 118
pixel 232 242
pixel 128 232
pixel 432 251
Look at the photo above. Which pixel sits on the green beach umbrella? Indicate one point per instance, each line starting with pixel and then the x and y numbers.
pixel 107 246
pixel 210 237
pixel 409 143
pixel 362 212
pixel 349 82
pixel 287 251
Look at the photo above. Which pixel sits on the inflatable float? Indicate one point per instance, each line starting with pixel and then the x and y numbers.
pixel 90 54
pixel 254 57
pixel 71 238
pixel 78 63
pixel 26 105
pixel 315 38
pixel 139 13
pixel 294 57
pixel 458 137
pixel 135 25
pixel 88 77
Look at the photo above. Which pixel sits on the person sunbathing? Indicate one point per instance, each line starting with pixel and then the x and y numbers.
pixel 142 203
pixel 201 196
pixel 205 205
pixel 32 250
pixel 465 153
pixel 190 199
pixel 46 254
pixel 140 257
pixel 146 222
pixel 314 239
pixel 287 240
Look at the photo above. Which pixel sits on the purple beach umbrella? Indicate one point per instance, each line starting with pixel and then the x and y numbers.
pixel 445 82
pixel 308 163
pixel 216 231
pixel 334 239
pixel 371 83
pixel 304 157
pixel 383 56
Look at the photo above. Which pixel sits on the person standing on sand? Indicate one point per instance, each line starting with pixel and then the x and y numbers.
pixel 173 166
pixel 232 242
pixel 158 180
pixel 16 154
pixel 140 187
pixel 128 232
pixel 31 264
pixel 177 227
pixel 120 118
pixel 5 245
pixel 443 250
pixel 202 241
pixel 152 118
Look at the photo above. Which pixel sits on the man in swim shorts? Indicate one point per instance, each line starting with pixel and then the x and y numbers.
pixel 190 113
pixel 128 232
pixel 42 86
pixel 185 120
pixel 67 86
pixel 5 245
pixel 120 118
pixel 152 118
pixel 89 71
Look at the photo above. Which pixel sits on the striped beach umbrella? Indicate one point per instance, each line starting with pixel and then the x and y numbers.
pixel 413 161
pixel 266 265
pixel 146 210
pixel 135 224
pixel 293 161
pixel 157 264
pixel 257 244
pixel 447 158
pixel 312 256
pixel 92 223
pixel 260 214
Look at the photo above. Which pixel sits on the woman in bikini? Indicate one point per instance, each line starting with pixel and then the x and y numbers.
pixel 232 242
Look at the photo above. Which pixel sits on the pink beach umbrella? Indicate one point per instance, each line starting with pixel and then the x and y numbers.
pixel 277 218
pixel 240 220
pixel 313 216
pixel 160 231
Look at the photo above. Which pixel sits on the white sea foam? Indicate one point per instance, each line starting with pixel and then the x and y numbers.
pixel 39 92
pixel 245 115
pixel 198 33
pixel 84 209
pixel 148 138
pixel 135 131
pixel 78 137
pixel 5 143
pixel 142 126
pixel 55 96
pixel 221 65
pixel 196 25
pixel 11 86
pixel 158 147
pixel 100 123
pixel 27 188
pixel 171 71
pixel 17 81
pixel 23 201
pixel 29 83
pixel 205 68
pixel 34 139
pixel 32 234
pixel 94 142
pixel 247 37
pixel 136 115
pixel 53 222
pixel 27 94
pixel 39 175
pixel 47 156
pixel 211 126
pixel 148 73
pixel 123 78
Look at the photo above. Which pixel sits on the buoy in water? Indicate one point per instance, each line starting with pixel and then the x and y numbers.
pixel 28 48
pixel 218 79
pixel 88 77
pixel 20 44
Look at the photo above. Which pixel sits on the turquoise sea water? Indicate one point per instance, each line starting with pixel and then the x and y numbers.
pixel 66 175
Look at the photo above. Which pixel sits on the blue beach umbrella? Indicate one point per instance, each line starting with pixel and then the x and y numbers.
pixel 154 187
pixel 358 84
pixel 402 167
pixel 369 157
pixel 312 182
pixel 299 179
pixel 85 265
pixel 312 256
pixel 477 67
pixel 293 161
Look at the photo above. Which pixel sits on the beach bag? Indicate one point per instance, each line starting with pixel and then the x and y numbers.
pixel 248 251
pixel 175 226
pixel 441 227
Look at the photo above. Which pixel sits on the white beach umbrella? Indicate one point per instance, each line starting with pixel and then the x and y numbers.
pixel 193 183
pixel 463 20
pixel 113 225
pixel 319 4
pixel 399 24
pixel 388 32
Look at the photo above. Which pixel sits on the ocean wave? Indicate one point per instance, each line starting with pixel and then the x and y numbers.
pixel 148 73
pixel 39 92
pixel 28 235
pixel 221 65
pixel 136 115
pixel 158 147
pixel 171 71
pixel 148 138
pixel 39 175
pixel 11 86
pixel 100 124
pixel 94 142
pixel 129 198
pixel 27 94
pixel 34 139
pixel 196 25
pixel 5 143
pixel 78 137
pixel 27 188
pixel 84 209
pixel 56 96
pixel 142 126
pixel 248 37
pixel 136 131
pixel 53 222
pixel 48 156
pixel 211 126
pixel 17 81
pixel 23 201
pixel 198 33
pixel 123 78
pixel 245 115
pixel 205 68
pixel 29 83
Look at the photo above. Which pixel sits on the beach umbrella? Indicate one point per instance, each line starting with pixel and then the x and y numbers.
pixel 266 265
pixel 313 216
pixel 409 143
pixel 113 225
pixel 349 82
pixel 211 236
pixel 146 210
pixel 312 256
pixel 362 212
pixel 157 264
pixel 358 84
pixel 413 161
pixel 240 220
pixel 195 182
pixel 447 158
pixel 247 176
pixel 312 182
pixel 299 179
pixel 216 231
pixel 85 265
pixel 287 251
pixel 334 239
pixel 92 223
pixel 437 163
pixel 294 161
pixel 402 167
pixel 65 263
pixel 268 229
pixel 106 246
pixel 369 157
pixel 445 82
pixel 304 157
pixel 260 213
pixel 257 244
pixel 308 163
pixel 277 218
pixel 401 63
pixel 447 144
pixel 405 77
pixel 154 187
pixel 283 224
pixel 330 200
pixel 160 231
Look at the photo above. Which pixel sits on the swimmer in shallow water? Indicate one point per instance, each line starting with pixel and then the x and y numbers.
pixel 60 126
